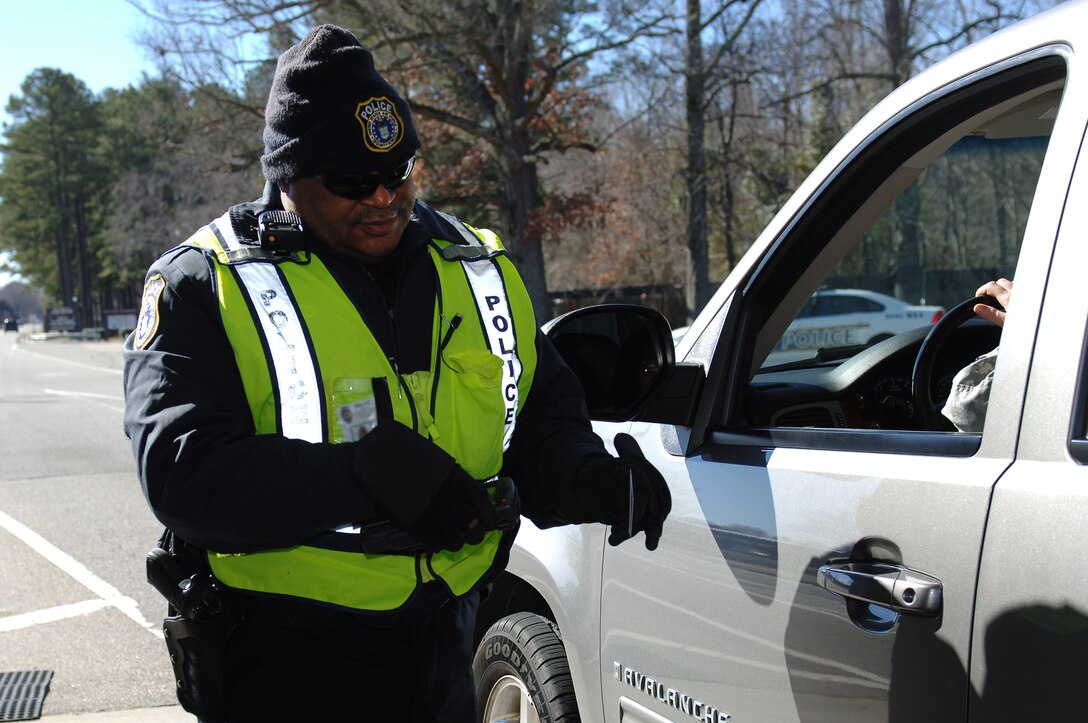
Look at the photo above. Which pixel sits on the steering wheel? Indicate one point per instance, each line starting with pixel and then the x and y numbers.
pixel 925 411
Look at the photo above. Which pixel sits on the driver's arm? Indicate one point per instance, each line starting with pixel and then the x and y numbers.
pixel 970 395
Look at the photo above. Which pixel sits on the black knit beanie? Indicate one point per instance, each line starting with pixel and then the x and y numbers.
pixel 329 111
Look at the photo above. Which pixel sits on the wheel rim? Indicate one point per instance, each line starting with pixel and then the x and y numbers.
pixel 509 702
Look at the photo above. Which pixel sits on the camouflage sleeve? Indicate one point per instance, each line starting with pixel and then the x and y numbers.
pixel 970 394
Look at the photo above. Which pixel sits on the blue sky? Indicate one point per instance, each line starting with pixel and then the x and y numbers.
pixel 94 40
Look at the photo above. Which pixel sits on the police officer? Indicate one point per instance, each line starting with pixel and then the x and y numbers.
pixel 285 388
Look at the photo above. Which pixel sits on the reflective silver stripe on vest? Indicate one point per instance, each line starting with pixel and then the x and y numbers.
pixel 293 365
pixel 494 307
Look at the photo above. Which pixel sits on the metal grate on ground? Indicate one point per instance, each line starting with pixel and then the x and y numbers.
pixel 22 693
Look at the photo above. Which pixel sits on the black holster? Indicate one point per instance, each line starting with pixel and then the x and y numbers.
pixel 200 618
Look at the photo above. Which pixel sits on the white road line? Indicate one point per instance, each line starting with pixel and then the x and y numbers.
pixel 85 395
pixel 78 571
pixel 51 615
pixel 23 348
pixel 91 397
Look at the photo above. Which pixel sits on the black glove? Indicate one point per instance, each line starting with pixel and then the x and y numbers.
pixel 422 489
pixel 627 493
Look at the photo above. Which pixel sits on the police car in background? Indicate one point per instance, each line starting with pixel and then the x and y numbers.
pixel 845 317
pixel 836 550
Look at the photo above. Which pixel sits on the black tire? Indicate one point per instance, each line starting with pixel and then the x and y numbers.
pixel 521 671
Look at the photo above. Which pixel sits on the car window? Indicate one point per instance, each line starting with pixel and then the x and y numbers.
pixel 845 302
pixel 893 247
pixel 958 225
pixel 854 305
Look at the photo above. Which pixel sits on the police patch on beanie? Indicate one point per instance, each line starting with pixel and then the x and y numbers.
pixel 382 126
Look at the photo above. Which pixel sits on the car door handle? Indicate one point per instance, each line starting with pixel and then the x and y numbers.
pixel 880 583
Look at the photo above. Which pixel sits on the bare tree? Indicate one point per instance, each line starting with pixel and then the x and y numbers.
pixel 704 75
pixel 634 236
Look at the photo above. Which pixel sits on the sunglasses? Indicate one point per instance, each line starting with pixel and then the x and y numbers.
pixel 356 188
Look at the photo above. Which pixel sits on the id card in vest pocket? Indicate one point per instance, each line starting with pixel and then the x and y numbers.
pixel 353 408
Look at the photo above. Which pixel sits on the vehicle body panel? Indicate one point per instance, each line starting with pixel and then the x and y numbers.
pixel 729 613
pixel 726 619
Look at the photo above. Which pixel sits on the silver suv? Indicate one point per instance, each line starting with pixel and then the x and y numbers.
pixel 836 550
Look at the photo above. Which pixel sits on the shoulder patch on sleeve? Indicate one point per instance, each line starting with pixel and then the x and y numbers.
pixel 148 322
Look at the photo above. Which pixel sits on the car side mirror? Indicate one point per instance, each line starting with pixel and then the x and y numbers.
pixel 625 359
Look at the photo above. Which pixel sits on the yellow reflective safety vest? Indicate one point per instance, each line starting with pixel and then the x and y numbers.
pixel 312 370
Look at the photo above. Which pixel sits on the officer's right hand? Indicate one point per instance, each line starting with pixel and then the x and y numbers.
pixel 422 489
pixel 460 512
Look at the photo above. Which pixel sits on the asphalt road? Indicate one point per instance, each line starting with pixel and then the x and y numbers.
pixel 74 531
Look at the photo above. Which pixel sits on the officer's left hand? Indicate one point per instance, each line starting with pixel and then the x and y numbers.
pixel 627 493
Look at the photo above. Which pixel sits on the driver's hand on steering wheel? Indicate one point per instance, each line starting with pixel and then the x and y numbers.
pixel 1001 290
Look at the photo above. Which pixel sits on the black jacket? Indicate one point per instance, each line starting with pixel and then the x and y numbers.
pixel 218 485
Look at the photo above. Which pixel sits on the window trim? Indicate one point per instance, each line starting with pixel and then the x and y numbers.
pixel 874 441
pixel 1077 443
